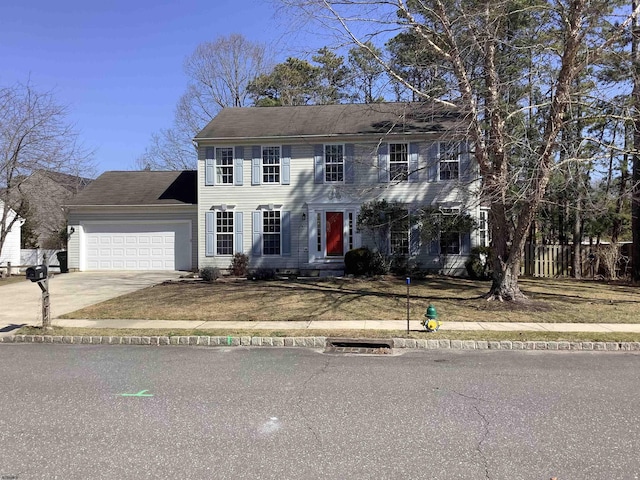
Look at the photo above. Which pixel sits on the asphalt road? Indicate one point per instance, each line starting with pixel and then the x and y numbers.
pixel 243 413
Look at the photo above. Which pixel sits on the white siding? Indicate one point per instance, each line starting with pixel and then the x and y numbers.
pixel 11 248
pixel 303 190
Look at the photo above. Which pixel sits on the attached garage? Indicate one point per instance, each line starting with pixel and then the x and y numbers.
pixel 126 246
pixel 135 221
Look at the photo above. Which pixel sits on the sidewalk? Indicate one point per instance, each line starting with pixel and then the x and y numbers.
pixel 351 325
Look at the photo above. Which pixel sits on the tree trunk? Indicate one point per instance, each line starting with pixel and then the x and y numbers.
pixel 505 283
pixel 635 178
pixel 577 238
pixel 505 261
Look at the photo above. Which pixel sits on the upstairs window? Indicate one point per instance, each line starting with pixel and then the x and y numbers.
pixel 449 160
pixel 398 162
pixel 271 165
pixel 334 163
pixel 224 165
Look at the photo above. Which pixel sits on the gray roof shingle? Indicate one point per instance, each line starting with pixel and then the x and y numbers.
pixel 140 188
pixel 332 120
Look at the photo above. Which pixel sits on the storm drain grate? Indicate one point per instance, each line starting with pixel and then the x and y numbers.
pixel 359 346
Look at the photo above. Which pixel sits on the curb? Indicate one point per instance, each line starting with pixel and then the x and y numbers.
pixel 320 342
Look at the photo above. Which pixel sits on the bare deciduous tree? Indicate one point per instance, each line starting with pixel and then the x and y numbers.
pixel 34 135
pixel 478 44
pixel 219 73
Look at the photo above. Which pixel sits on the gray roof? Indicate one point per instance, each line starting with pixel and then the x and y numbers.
pixel 331 120
pixel 140 188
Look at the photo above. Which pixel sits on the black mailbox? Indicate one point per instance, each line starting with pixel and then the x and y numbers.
pixel 37 273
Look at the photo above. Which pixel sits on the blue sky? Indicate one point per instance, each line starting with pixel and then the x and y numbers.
pixel 117 64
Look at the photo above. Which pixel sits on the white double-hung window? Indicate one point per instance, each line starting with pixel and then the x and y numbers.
pixel 334 163
pixel 449 160
pixel 224 165
pixel 483 228
pixel 271 232
pixel 271 165
pixel 450 239
pixel 224 232
pixel 398 162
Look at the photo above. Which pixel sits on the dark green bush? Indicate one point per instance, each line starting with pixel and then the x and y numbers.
pixel 239 265
pixel 356 261
pixel 262 274
pixel 362 261
pixel 209 274
pixel 478 266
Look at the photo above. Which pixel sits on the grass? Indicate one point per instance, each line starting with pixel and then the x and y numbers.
pixel 550 300
pixel 449 335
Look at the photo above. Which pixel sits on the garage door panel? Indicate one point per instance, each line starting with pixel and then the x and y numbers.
pixel 154 246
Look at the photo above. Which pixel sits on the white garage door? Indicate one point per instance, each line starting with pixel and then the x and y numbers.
pixel 151 246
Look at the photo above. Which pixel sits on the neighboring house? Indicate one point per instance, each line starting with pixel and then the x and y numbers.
pixel 45 192
pixel 134 221
pixel 284 185
pixel 10 251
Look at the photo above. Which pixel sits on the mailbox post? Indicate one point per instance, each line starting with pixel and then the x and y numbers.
pixel 40 274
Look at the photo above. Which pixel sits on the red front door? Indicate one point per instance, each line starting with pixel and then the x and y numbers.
pixel 335 234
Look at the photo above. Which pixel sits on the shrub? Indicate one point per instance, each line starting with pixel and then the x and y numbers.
pixel 239 265
pixel 478 267
pixel 362 261
pixel 356 261
pixel 262 274
pixel 379 265
pixel 209 274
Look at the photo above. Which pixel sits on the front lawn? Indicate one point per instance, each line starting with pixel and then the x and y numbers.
pixel 381 299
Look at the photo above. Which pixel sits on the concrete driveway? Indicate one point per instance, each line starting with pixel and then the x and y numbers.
pixel 21 303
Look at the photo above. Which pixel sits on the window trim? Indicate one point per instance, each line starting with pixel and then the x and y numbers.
pixel 265 165
pixel 342 163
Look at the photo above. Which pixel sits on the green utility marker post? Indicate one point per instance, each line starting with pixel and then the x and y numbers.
pixel 408 307
pixel 141 393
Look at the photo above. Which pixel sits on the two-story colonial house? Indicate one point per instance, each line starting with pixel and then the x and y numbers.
pixel 285 185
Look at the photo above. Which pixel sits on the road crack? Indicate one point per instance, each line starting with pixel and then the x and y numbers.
pixel 301 395
pixel 485 429
pixel 485 435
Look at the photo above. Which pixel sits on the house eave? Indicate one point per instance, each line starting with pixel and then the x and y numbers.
pixel 154 205
pixel 344 137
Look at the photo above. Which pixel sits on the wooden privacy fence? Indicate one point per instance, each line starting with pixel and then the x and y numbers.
pixel 557 260
pixel 547 260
